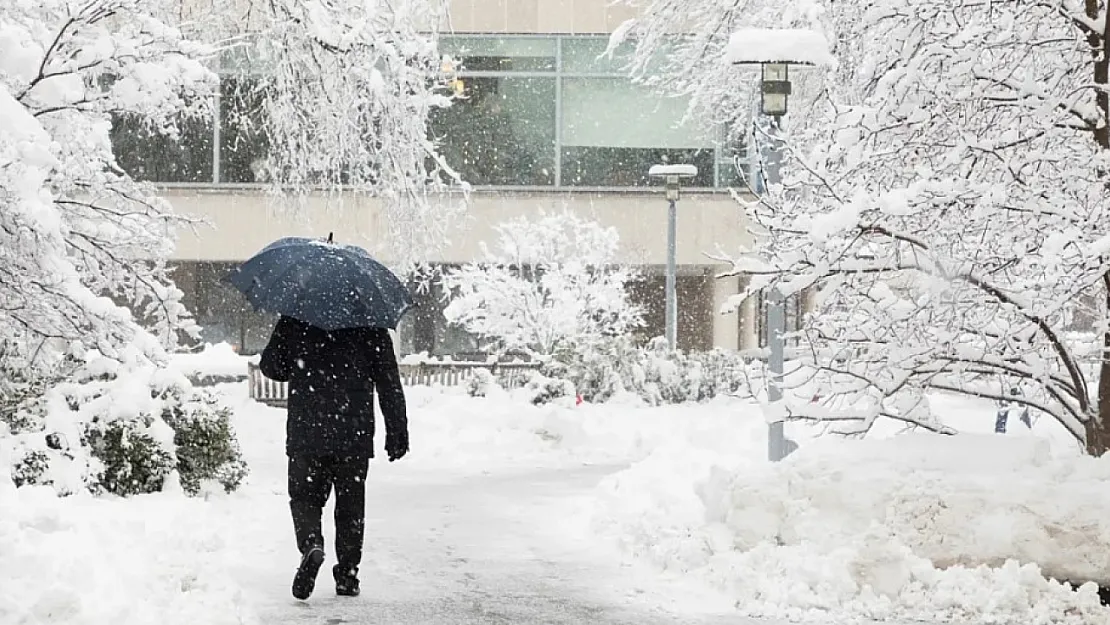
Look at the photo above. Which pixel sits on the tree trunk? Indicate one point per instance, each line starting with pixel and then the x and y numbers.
pixel 1097 428
pixel 1098 435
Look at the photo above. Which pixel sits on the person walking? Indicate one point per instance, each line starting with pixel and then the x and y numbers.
pixel 332 377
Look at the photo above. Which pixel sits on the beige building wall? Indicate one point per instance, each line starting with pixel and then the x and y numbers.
pixel 536 16
pixel 236 224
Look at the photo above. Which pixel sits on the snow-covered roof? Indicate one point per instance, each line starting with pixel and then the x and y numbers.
pixel 778 45
pixel 673 170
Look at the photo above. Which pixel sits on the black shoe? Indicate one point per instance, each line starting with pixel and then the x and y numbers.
pixel 346 581
pixel 304 582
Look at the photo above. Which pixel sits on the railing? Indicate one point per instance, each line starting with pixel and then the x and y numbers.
pixel 267 391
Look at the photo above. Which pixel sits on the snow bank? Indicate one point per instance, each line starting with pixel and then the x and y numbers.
pixel 214 361
pixel 916 527
pixel 86 561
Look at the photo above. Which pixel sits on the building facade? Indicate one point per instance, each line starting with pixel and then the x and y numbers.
pixel 545 124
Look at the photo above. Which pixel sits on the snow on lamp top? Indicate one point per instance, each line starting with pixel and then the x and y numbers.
pixel 686 171
pixel 778 45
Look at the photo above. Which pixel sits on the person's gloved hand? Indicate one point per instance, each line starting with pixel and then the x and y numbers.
pixel 396 444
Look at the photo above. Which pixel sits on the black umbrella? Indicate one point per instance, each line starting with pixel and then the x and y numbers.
pixel 325 284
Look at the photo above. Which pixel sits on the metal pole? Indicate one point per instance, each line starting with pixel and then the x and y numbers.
pixel 672 296
pixel 755 153
pixel 776 327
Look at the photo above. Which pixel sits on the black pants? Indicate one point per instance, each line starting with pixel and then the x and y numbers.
pixel 310 482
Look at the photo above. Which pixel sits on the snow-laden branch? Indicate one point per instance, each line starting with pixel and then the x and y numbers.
pixel 78 237
pixel 944 196
pixel 346 91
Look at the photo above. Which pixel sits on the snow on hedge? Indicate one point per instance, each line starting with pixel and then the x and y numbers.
pixel 916 527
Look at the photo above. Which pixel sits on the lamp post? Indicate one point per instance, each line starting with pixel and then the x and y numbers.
pixel 774 50
pixel 672 176
pixel 774 92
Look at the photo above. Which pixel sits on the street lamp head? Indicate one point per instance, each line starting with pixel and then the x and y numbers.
pixel 774 89
pixel 672 176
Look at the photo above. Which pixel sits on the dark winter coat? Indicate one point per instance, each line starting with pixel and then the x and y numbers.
pixel 332 377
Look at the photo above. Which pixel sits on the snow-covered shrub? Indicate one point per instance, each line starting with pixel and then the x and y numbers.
pixel 654 373
pixel 205 444
pixel 124 434
pixel 133 461
pixel 544 389
pixel 552 282
pixel 30 468
pixel 480 382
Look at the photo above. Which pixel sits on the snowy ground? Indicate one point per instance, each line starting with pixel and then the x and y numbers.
pixel 486 521
pixel 510 513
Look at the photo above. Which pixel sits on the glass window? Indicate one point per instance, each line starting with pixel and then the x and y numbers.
pixel 425 329
pixel 222 313
pixel 247 56
pixel 501 132
pixel 614 131
pixel 734 174
pixel 628 167
pixel 147 154
pixel 502 54
pixel 243 143
pixel 734 162
pixel 581 56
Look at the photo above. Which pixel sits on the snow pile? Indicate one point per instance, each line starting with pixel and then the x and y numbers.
pixel 214 361
pixel 917 527
pixel 88 561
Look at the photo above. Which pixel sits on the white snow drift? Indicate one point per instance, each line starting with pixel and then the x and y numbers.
pixel 917 527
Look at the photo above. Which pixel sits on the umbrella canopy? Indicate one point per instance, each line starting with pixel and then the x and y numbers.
pixel 325 284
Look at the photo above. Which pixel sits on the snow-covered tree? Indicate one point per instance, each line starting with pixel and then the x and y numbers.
pixel 947 193
pixel 341 91
pixel 84 292
pixel 78 237
pixel 550 282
